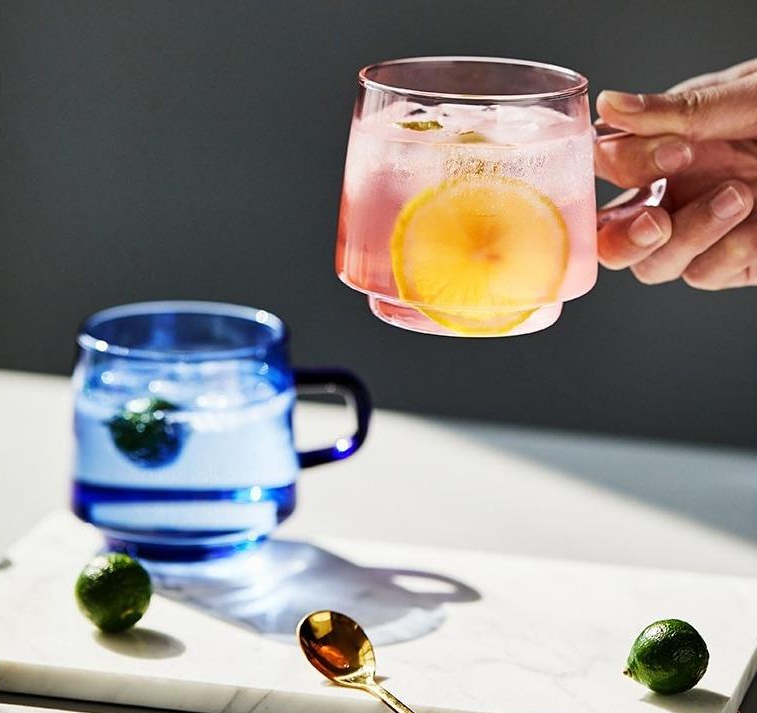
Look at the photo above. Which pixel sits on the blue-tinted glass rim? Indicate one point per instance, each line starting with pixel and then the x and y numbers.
pixel 279 334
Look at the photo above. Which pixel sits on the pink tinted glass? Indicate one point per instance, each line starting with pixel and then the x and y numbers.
pixel 424 125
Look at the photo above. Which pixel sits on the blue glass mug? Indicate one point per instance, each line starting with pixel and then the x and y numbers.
pixel 184 448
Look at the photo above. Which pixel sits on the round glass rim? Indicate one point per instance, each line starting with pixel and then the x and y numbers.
pixel 86 339
pixel 580 87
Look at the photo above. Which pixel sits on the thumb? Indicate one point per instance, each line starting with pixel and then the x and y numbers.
pixel 724 111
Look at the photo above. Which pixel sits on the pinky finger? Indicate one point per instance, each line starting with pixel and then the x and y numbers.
pixel 746 278
pixel 623 243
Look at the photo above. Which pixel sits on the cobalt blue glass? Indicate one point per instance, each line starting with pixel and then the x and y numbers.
pixel 183 420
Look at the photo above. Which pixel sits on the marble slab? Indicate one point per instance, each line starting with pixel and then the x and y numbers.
pixel 459 630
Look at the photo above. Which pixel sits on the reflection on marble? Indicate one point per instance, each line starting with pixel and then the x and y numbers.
pixel 272 589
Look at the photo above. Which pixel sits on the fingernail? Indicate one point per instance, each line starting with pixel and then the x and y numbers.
pixel 672 157
pixel 727 203
pixel 645 231
pixel 623 102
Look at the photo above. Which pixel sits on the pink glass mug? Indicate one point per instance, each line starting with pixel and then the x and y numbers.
pixel 468 204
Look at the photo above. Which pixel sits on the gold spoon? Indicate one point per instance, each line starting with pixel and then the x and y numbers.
pixel 337 646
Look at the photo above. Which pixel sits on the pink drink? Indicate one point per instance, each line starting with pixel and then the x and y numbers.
pixel 404 153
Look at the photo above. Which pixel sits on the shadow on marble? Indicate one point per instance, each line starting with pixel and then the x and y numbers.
pixel 694 701
pixel 142 643
pixel 17 702
pixel 4 562
pixel 271 589
pixel 713 486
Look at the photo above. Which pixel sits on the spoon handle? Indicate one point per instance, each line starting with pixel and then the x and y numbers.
pixel 395 704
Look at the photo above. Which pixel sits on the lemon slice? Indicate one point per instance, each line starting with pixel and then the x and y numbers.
pixel 479 254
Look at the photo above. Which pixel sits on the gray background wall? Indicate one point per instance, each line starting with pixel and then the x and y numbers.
pixel 154 149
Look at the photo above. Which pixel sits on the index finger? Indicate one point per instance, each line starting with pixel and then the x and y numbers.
pixel 632 161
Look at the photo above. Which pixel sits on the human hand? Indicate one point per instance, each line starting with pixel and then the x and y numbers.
pixel 702 135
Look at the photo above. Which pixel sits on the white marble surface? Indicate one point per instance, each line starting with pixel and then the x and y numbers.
pixel 439 482
pixel 541 637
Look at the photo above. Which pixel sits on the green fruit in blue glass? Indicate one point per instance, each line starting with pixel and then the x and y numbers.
pixel 144 432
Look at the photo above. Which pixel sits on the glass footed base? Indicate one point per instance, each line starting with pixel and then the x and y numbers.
pixel 184 550
pixel 401 315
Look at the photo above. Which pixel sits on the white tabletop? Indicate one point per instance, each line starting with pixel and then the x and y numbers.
pixel 451 483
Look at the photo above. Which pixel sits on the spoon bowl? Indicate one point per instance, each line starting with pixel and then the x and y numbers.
pixel 337 647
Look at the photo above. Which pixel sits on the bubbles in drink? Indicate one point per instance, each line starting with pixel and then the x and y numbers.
pixel 198 454
pixel 506 162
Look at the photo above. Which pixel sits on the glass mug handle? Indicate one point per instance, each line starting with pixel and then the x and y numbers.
pixel 354 392
pixel 648 196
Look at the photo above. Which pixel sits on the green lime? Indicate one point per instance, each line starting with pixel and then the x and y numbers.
pixel 145 433
pixel 669 656
pixel 114 591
